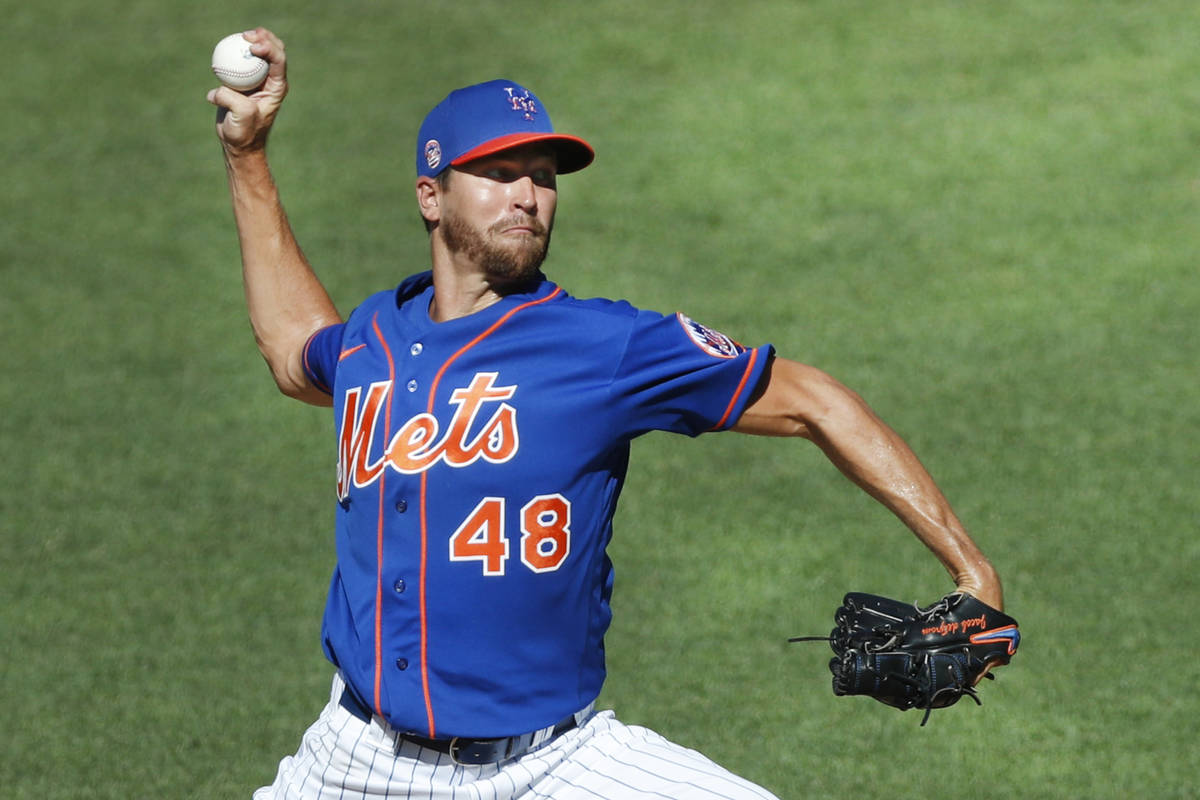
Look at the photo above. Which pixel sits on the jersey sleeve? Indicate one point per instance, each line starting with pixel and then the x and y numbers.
pixel 321 356
pixel 680 376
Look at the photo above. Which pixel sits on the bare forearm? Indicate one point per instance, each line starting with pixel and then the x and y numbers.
pixel 802 401
pixel 872 455
pixel 285 299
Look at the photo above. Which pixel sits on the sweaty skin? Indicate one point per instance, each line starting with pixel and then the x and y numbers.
pixel 799 400
pixel 287 302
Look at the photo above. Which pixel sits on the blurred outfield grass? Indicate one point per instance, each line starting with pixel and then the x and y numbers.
pixel 979 215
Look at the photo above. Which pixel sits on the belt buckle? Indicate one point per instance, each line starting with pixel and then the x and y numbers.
pixel 469 759
pixel 479 751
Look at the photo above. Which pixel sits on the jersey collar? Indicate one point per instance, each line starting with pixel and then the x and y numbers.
pixel 415 292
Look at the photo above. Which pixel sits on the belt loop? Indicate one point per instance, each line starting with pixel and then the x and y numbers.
pixel 582 714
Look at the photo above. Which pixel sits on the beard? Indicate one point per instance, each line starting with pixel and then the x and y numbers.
pixel 506 259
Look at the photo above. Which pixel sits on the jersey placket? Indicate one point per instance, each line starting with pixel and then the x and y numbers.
pixel 406 543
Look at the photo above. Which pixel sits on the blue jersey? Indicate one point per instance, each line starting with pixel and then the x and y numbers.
pixel 479 465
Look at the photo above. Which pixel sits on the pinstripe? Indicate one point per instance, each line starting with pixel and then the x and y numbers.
pixel 578 787
pixel 329 750
pixel 628 787
pixel 625 762
pixel 635 769
pixel 602 759
pixel 536 795
pixel 694 764
pixel 457 776
pixel 412 775
pixel 523 766
pixel 316 743
pixel 690 761
pixel 349 772
pixel 371 769
pixel 303 757
pixel 387 789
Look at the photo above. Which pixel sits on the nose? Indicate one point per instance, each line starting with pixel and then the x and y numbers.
pixel 524 195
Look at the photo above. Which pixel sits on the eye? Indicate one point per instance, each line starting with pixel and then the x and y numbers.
pixel 543 177
pixel 502 174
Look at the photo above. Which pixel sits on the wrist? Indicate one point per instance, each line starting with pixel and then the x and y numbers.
pixel 248 171
pixel 245 156
pixel 982 582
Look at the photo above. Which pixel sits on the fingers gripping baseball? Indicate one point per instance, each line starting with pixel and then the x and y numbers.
pixel 244 120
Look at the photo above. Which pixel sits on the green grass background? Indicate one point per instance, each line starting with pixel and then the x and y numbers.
pixel 981 215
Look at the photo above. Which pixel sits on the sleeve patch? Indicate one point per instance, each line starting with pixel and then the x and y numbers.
pixel 713 342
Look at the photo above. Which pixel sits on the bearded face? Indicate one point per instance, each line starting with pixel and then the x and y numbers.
pixel 500 253
pixel 494 214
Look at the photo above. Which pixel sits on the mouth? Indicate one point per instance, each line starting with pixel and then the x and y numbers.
pixel 521 228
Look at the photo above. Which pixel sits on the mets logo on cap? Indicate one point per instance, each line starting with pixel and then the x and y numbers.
pixel 522 101
pixel 710 341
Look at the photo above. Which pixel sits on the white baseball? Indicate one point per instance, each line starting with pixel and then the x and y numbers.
pixel 235 66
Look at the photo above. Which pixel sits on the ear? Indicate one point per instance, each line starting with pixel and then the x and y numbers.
pixel 429 197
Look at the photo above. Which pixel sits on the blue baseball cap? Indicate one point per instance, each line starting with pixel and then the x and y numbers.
pixel 486 118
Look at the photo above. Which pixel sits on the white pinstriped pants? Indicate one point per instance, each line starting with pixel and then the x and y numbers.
pixel 603 759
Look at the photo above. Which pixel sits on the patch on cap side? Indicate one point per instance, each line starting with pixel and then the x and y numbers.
pixel 433 153
pixel 713 342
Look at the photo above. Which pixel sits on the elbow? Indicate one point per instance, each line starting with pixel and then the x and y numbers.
pixel 283 348
pixel 794 400
pixel 304 391
pixel 821 402
pixel 288 387
pixel 287 370
pixel 285 381
pixel 278 362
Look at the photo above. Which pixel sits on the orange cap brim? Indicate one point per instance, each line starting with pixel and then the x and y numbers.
pixel 573 153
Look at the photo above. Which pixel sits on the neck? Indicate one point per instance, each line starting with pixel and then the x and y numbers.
pixel 462 289
pixel 456 297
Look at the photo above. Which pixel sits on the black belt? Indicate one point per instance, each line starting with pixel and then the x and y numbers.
pixel 462 749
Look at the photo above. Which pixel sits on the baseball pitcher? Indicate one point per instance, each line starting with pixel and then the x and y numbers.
pixel 483 424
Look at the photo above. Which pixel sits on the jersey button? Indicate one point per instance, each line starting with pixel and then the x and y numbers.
pixel 416 348
pixel 402 506
pixel 400 586
pixel 402 663
pixel 412 386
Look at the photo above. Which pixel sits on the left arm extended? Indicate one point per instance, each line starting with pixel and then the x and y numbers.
pixel 799 400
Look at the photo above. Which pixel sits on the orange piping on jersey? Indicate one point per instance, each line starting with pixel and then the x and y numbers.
pixel 387 431
pixel 424 482
pixel 741 388
pixel 352 351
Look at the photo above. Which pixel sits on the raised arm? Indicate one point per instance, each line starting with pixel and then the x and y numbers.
pixel 800 400
pixel 287 303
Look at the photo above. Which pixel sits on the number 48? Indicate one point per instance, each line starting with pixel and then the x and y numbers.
pixel 545 535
